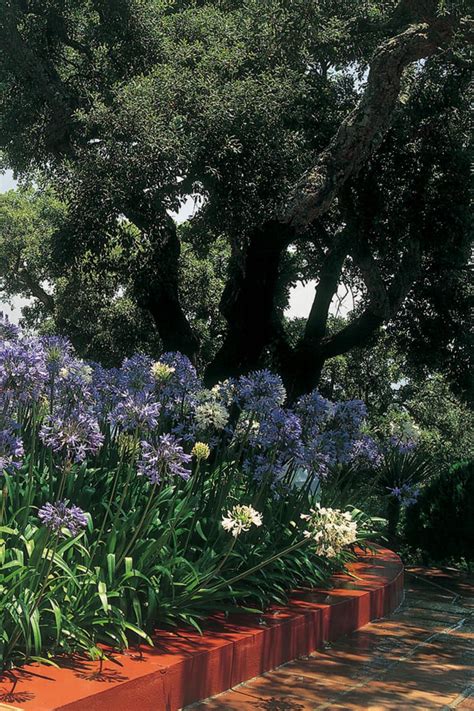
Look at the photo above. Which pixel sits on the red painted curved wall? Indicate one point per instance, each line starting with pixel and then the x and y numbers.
pixel 184 667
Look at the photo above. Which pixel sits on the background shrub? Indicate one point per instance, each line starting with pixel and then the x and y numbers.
pixel 441 521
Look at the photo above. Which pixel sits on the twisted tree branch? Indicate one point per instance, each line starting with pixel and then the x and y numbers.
pixel 361 133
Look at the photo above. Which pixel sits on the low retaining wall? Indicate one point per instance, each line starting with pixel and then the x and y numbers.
pixel 184 667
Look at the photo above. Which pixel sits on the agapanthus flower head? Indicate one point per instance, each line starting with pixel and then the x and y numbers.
pixel 350 415
pixel 201 451
pixel 280 428
pixel 11 447
pixel 60 517
pixel 8 330
pixel 320 455
pixel 164 459
pixel 314 411
pixel 183 382
pixel 211 415
pixel 407 494
pixel 23 371
pixel 331 530
pixel 135 411
pixel 273 445
pixel 241 518
pixel 73 385
pixel 365 450
pixel 105 388
pixel 58 352
pixel 74 435
pixel 161 372
pixel 260 391
pixel 260 466
pixel 135 374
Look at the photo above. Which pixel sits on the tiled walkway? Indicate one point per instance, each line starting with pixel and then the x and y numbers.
pixel 421 657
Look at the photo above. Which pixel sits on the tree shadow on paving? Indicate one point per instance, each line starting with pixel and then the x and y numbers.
pixel 275 704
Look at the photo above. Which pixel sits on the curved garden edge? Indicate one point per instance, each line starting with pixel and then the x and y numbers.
pixel 185 667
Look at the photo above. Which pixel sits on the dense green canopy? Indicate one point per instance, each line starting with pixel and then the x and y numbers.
pixel 327 140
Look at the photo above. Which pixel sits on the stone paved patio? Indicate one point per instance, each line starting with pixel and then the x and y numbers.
pixel 421 657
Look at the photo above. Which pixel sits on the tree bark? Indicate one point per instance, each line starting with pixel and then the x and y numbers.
pixel 248 302
pixel 156 283
pixel 303 366
pixel 362 132
pixel 37 290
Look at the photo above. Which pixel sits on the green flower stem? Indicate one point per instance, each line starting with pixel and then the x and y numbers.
pixel 223 561
pixel 140 525
pixel 255 568
pixel 62 482
pixel 4 503
pixel 128 479
pixel 31 463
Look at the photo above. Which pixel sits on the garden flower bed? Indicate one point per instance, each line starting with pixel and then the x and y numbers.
pixel 185 667
pixel 135 499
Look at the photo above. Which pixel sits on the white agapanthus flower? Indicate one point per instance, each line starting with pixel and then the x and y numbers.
pixel 245 428
pixel 331 529
pixel 161 372
pixel 241 518
pixel 405 431
pixel 211 414
pixel 225 392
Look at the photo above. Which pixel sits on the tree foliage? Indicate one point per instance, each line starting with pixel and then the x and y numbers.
pixel 333 127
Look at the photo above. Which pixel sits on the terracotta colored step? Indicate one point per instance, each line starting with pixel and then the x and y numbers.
pixel 184 667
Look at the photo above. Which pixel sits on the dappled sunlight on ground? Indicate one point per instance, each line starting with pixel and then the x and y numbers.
pixel 421 657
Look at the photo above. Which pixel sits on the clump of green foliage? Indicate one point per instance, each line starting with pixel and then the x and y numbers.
pixel 133 498
pixel 440 523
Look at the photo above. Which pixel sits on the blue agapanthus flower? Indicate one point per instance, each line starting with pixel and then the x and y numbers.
pixel 135 374
pixel 183 381
pixel 274 444
pixel 407 494
pixel 135 412
pixel 11 447
pixel 74 435
pixel 60 516
pixel 164 459
pixel 349 416
pixel 260 391
pixel 320 455
pixel 105 388
pixel 366 451
pixel 314 411
pixel 23 372
pixel 58 353
pixel 8 330
pixel 279 428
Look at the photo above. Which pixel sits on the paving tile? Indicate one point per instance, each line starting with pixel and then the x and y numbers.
pixel 334 670
pixel 378 696
pixel 279 685
pixel 243 700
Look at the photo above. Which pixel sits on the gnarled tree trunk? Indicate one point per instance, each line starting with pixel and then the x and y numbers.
pixel 247 301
